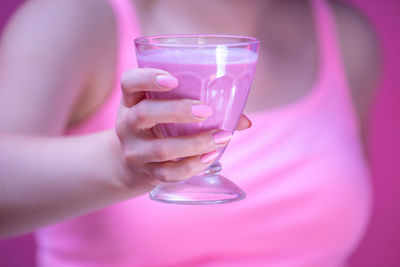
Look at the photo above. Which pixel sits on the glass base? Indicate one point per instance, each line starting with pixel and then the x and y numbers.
pixel 198 190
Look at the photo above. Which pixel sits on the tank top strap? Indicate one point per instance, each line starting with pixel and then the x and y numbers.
pixel 127 29
pixel 328 39
pixel 333 73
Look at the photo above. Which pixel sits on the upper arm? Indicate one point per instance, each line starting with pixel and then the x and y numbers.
pixel 45 54
pixel 360 51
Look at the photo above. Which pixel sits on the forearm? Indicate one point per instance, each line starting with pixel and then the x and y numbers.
pixel 44 180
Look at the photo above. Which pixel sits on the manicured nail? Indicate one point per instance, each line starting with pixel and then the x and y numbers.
pixel 201 111
pixel 209 157
pixel 250 124
pixel 222 137
pixel 167 81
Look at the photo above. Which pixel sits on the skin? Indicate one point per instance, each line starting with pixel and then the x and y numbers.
pixel 288 44
pixel 47 178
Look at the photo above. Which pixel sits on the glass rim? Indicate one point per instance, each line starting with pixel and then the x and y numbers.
pixel 144 40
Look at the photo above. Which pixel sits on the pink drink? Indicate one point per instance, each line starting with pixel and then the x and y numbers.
pixel 217 70
pixel 219 77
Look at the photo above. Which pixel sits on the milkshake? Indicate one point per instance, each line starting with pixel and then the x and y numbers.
pixel 219 77
pixel 217 70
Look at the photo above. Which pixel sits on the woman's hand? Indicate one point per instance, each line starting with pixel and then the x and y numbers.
pixel 151 159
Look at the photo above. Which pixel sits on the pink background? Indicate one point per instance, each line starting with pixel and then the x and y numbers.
pixel 381 245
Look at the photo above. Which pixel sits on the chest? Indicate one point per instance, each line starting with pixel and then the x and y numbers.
pixel 288 57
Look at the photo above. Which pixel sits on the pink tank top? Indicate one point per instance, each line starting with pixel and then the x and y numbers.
pixel 307 184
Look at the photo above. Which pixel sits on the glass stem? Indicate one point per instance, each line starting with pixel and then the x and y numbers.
pixel 213 169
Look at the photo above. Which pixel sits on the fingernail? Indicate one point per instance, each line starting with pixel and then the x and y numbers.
pixel 250 124
pixel 209 157
pixel 222 137
pixel 167 81
pixel 202 111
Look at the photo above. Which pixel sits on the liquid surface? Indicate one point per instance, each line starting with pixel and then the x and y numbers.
pixel 198 55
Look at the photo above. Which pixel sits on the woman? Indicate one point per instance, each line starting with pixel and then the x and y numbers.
pixel 301 164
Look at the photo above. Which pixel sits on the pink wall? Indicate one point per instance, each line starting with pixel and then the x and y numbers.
pixel 381 245
pixel 16 252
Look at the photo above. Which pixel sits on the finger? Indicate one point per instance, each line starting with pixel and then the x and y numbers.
pixel 171 148
pixel 150 112
pixel 174 171
pixel 137 81
pixel 244 123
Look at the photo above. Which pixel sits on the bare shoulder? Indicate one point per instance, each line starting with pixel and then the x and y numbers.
pixel 360 52
pixel 72 31
pixel 49 51
pixel 77 18
pixel 357 36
